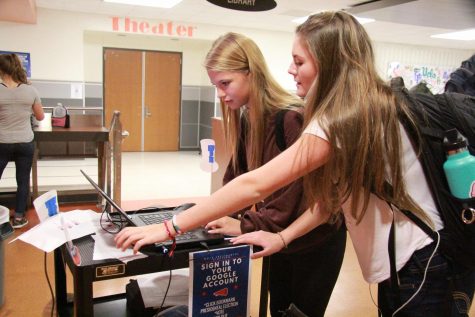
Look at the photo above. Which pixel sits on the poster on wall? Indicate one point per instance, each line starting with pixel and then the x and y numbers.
pixel 220 282
pixel 76 91
pixel 25 60
pixel 435 77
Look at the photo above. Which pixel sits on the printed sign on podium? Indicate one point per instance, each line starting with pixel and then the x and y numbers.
pixel 220 282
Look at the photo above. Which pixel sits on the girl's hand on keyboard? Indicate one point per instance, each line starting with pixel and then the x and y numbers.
pixel 140 236
pixel 225 225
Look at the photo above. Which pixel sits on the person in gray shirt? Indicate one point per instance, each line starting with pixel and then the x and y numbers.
pixel 18 101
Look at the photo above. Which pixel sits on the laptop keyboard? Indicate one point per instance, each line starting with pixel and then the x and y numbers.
pixel 164 216
pixel 156 218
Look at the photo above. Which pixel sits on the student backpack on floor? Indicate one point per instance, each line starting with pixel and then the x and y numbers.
pixel 435 114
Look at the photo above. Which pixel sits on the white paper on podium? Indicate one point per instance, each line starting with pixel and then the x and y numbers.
pixel 153 289
pixel 104 248
pixel 49 235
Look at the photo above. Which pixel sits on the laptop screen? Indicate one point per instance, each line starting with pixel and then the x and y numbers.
pixel 107 198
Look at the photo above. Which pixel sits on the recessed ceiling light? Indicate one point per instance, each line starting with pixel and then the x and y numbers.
pixel 466 35
pixel 364 20
pixel 300 20
pixel 360 20
pixel 148 3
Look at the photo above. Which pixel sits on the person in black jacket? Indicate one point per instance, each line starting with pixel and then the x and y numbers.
pixel 462 80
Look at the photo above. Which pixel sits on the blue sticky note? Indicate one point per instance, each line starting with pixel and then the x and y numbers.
pixel 51 206
pixel 211 153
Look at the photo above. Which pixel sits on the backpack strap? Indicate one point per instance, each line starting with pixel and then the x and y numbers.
pixel 242 160
pixel 394 278
pixel 396 294
pixel 428 166
pixel 421 224
pixel 280 130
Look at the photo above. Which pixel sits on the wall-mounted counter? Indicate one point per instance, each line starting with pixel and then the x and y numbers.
pixel 81 130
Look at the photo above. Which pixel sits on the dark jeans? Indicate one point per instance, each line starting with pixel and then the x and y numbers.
pixel 447 290
pixel 22 155
pixel 306 279
pixel 463 285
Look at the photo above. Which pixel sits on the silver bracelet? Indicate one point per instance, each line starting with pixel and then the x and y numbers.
pixel 175 226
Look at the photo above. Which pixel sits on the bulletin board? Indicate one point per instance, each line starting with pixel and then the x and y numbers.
pixel 25 60
pixel 434 76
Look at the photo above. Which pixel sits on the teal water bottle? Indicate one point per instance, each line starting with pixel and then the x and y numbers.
pixel 460 165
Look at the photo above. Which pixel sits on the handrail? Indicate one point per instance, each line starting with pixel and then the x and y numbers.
pixel 114 159
pixel 74 108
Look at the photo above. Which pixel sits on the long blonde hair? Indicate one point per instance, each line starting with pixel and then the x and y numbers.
pixel 234 52
pixel 359 114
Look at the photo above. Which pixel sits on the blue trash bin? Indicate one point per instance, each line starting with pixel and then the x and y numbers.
pixel 6 230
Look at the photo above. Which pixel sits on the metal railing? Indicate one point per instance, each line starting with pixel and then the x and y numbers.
pixel 113 169
pixel 75 108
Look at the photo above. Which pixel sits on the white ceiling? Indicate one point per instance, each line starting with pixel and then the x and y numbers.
pixel 399 21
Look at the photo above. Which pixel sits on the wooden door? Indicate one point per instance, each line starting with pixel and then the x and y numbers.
pixel 145 87
pixel 123 92
pixel 162 101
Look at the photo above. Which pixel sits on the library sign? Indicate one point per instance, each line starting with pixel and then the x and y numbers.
pixel 245 5
pixel 137 26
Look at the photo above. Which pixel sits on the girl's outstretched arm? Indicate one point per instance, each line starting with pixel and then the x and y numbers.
pixel 274 242
pixel 306 154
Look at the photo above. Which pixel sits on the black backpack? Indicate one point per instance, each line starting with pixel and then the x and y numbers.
pixel 280 130
pixel 434 115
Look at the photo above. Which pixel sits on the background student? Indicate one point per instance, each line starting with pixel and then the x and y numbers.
pixel 18 101
pixel 353 145
pixel 252 103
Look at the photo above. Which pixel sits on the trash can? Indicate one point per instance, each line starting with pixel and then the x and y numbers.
pixel 6 230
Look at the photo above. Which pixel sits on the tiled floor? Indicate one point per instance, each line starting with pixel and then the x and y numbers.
pixel 174 174
pixel 144 176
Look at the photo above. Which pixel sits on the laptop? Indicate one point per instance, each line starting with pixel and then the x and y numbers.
pixel 195 238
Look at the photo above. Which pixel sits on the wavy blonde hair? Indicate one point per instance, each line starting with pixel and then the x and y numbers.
pixel 233 52
pixel 359 114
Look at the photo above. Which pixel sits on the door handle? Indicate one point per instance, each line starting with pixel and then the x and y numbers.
pixel 147 113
